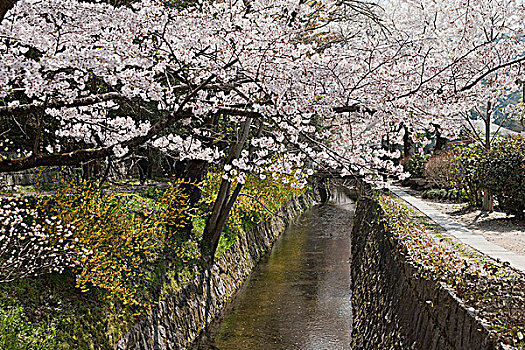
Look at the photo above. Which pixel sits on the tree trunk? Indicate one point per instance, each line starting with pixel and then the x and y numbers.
pixel 6 5
pixel 91 169
pixel 406 143
pixel 440 141
pixel 195 172
pixel 224 201
pixel 488 199
pixel 323 190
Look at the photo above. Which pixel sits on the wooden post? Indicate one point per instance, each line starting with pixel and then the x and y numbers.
pixel 488 200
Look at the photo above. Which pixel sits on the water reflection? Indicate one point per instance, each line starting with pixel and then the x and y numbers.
pixel 298 297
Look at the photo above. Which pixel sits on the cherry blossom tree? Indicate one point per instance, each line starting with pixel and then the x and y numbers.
pixel 481 55
pixel 30 244
pixel 74 70
pixel 265 88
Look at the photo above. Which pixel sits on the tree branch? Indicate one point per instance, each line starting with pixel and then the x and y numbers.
pixel 6 5
pixel 354 108
pixel 492 70
pixel 90 100
pixel 83 155
pixel 59 103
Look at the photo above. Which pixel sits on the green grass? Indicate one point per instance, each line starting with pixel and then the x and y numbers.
pixel 16 333
pixel 48 312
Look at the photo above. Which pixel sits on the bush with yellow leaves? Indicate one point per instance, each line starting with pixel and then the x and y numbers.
pixel 119 237
pixel 259 198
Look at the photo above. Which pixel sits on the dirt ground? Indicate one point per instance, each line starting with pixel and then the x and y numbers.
pixel 499 228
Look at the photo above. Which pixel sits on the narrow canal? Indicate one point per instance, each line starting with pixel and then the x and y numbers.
pixel 299 296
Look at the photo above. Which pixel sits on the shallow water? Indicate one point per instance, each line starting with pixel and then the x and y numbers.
pixel 299 296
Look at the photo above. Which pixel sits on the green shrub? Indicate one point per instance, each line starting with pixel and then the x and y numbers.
pixel 505 174
pixel 468 167
pixel 455 194
pixel 153 193
pixel 18 334
pixel 415 165
pixel 444 194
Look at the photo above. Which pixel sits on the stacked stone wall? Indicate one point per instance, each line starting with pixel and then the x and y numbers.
pixel 181 317
pixel 394 307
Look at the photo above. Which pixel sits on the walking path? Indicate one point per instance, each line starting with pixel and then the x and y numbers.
pixel 462 233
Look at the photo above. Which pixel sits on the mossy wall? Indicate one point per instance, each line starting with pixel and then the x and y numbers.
pixel 181 317
pixel 393 306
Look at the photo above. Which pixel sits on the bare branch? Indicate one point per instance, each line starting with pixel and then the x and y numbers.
pixel 59 103
pixel 492 70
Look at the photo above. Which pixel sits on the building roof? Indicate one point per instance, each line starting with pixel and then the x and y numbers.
pixel 495 129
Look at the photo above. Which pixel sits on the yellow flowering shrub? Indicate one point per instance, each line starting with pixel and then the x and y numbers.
pixel 258 199
pixel 119 237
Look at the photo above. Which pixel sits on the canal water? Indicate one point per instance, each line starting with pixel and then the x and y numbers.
pixel 299 296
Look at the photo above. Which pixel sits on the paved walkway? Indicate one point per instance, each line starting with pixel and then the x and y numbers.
pixel 462 233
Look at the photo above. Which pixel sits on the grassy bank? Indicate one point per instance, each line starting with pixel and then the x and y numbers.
pixel 139 251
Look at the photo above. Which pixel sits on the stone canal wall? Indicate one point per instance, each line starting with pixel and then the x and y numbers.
pixel 179 319
pixel 392 307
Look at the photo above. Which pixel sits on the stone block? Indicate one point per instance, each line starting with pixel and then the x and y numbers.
pixel 390 300
pixel 178 326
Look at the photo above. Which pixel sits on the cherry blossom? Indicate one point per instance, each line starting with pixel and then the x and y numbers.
pixel 270 87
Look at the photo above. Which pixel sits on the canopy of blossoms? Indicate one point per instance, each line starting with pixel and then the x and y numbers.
pixel 268 87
